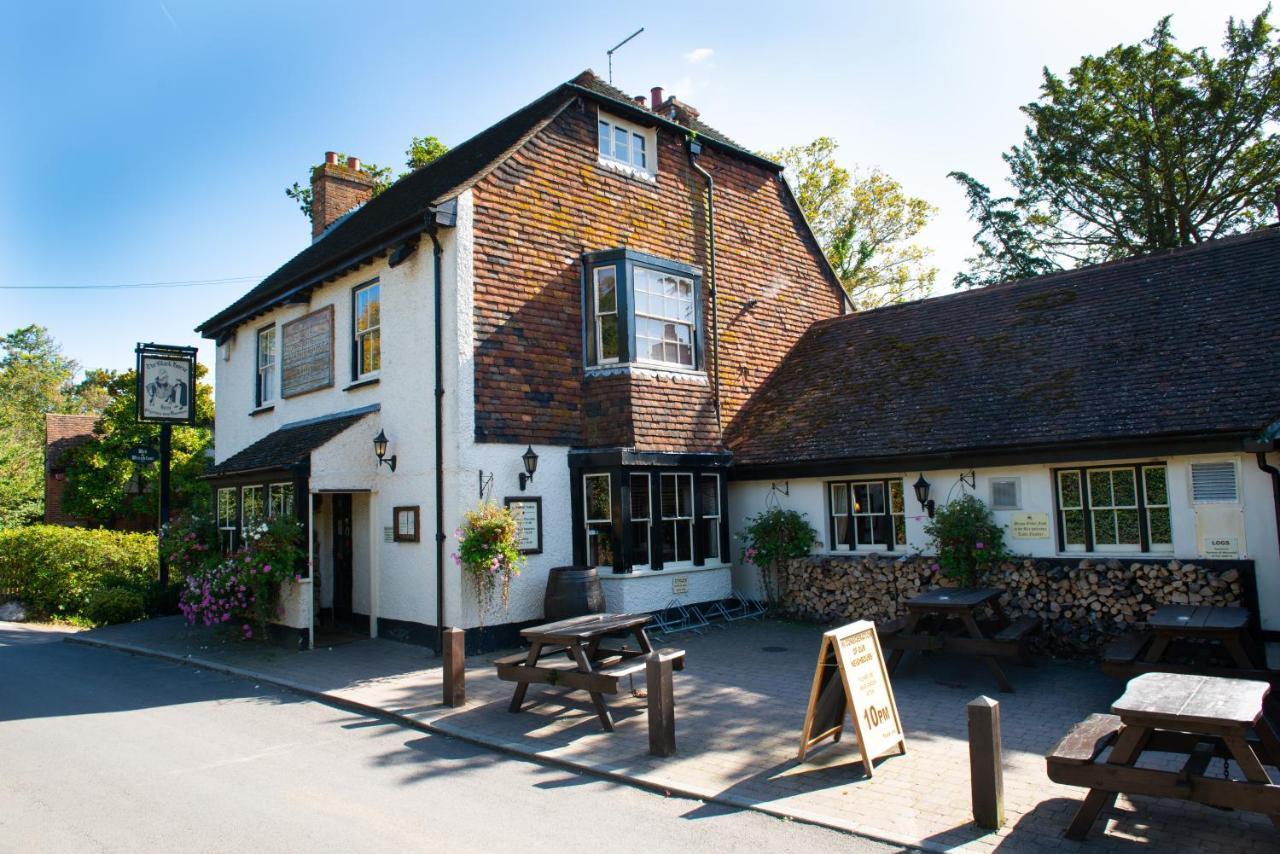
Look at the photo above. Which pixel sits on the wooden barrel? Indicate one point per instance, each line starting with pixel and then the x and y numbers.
pixel 572 591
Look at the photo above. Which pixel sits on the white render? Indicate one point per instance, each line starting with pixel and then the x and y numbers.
pixel 1251 520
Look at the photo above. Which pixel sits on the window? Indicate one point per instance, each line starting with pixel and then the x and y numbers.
pixel 641 309
pixel 606 314
pixel 641 518
pixel 599 518
pixel 867 514
pixel 664 317
pixel 1214 483
pixel 1114 509
pixel 677 518
pixel 367 320
pixel 266 366
pixel 625 144
pixel 1005 493
pixel 227 518
pixel 709 523
pixel 280 500
pixel 251 509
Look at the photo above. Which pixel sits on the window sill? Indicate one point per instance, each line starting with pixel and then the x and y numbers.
pixel 647 371
pixel 362 383
pixel 628 171
pixel 261 410
pixel 607 574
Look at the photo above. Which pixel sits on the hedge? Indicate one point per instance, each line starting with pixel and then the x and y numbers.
pixel 56 570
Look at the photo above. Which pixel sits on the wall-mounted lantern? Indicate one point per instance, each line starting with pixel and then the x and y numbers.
pixel 530 459
pixel 380 451
pixel 921 486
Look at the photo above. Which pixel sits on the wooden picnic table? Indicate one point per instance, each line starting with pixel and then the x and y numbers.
pixel 1141 652
pixel 944 604
pixel 1202 717
pixel 570 653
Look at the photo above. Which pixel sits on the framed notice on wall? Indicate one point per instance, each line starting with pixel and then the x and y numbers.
pixel 166 384
pixel 528 515
pixel 306 353
pixel 406 524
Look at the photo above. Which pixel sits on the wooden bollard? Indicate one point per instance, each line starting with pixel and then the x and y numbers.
pixel 986 774
pixel 455 667
pixel 662 701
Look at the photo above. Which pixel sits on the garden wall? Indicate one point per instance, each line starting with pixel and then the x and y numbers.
pixel 1083 604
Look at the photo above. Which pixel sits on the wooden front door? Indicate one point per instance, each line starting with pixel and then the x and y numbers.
pixel 342 557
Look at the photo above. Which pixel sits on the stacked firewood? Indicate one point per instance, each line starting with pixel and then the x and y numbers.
pixel 1082 604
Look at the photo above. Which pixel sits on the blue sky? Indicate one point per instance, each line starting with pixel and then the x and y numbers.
pixel 150 142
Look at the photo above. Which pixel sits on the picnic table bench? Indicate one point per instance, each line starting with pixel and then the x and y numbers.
pixel 1147 651
pixel 1201 717
pixel 572 653
pixel 923 629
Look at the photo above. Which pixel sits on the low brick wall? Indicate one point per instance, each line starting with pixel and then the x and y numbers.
pixel 1083 603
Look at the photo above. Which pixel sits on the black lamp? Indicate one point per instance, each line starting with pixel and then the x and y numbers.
pixel 530 466
pixel 921 486
pixel 380 451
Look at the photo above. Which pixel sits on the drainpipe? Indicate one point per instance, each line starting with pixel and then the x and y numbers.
pixel 1260 451
pixel 695 149
pixel 436 217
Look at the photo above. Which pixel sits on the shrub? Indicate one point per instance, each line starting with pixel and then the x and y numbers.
pixel 56 570
pixel 488 552
pixel 115 605
pixel 967 539
pixel 773 536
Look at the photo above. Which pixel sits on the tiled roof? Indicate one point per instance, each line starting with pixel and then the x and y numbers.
pixel 1180 343
pixel 401 208
pixel 62 433
pixel 289 446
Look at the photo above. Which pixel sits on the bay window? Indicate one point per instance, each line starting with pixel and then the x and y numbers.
pixel 677 518
pixel 599 519
pixel 641 517
pixel 280 500
pixel 641 310
pixel 252 510
pixel 227 522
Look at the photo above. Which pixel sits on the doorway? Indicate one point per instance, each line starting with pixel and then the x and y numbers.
pixel 343 574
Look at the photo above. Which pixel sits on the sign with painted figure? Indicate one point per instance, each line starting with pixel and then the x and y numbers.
pixel 1029 526
pixel 528 515
pixel 166 384
pixel 306 353
pixel 851 678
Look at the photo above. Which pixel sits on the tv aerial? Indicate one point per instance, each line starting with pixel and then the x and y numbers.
pixel 615 47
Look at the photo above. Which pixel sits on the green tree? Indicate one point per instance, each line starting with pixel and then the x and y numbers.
pixel 421 151
pixel 1008 247
pixel 1149 146
pixel 103 485
pixel 865 223
pixel 35 379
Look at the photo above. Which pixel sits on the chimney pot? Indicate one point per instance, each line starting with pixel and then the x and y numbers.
pixel 639 99
pixel 331 157
pixel 655 98
pixel 353 163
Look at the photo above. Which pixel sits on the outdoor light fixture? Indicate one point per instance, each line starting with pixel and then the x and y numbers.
pixel 530 466
pixel 921 486
pixel 380 451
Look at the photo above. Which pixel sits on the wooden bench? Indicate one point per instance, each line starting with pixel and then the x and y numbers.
pixel 1018 630
pixel 889 628
pixel 1084 742
pixel 522 657
pixel 1119 657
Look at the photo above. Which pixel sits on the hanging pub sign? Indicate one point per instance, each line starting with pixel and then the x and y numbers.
pixel 166 384
pixel 851 677
pixel 143 455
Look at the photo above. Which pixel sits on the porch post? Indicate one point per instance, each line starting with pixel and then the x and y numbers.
pixel 311 564
pixel 375 548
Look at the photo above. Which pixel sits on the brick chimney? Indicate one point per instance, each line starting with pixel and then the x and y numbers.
pixel 655 98
pixel 335 189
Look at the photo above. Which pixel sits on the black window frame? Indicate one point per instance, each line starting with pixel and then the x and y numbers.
pixel 887 515
pixel 1086 508
pixel 625 262
pixel 356 376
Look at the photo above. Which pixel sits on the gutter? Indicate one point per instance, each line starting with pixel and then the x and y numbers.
pixel 695 149
pixel 439 215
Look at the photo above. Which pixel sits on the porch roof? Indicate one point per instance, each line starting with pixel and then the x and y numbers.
pixel 290 447
pixel 1182 343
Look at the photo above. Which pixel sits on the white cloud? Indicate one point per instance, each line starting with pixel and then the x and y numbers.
pixel 698 54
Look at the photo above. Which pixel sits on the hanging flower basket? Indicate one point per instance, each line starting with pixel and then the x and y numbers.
pixel 488 554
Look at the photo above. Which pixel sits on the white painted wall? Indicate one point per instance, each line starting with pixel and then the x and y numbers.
pixel 1256 512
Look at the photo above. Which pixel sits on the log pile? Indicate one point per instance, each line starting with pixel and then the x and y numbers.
pixel 1082 605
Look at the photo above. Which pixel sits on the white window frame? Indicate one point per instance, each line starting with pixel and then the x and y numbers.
pixel 607 149
pixel 678 519
pixel 373 331
pixel 646 519
pixel 245 523
pixel 266 390
pixel 589 520
pixel 285 505
pixel 641 273
pixel 612 270
pixel 712 517
pixel 227 523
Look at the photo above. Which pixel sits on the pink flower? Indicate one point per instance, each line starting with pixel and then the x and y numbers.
pixel 298 578
pixel 935 567
pixel 266 567
pixel 979 545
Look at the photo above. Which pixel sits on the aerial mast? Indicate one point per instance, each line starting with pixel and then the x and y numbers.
pixel 615 47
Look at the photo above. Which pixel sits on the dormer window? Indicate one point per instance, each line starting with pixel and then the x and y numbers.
pixel 627 146
pixel 642 310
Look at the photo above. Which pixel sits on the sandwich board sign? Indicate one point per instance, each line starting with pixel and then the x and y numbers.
pixel 851 678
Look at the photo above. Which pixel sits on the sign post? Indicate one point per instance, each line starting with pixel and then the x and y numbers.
pixel 851 677
pixel 166 395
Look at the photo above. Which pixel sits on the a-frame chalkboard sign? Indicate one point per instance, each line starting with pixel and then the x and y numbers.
pixel 851 677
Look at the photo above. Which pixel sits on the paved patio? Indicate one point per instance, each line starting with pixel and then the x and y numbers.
pixel 740 704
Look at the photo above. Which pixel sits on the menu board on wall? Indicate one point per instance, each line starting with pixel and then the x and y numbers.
pixel 306 353
pixel 528 515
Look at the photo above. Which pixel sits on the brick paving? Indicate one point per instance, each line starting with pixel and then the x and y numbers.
pixel 738 715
